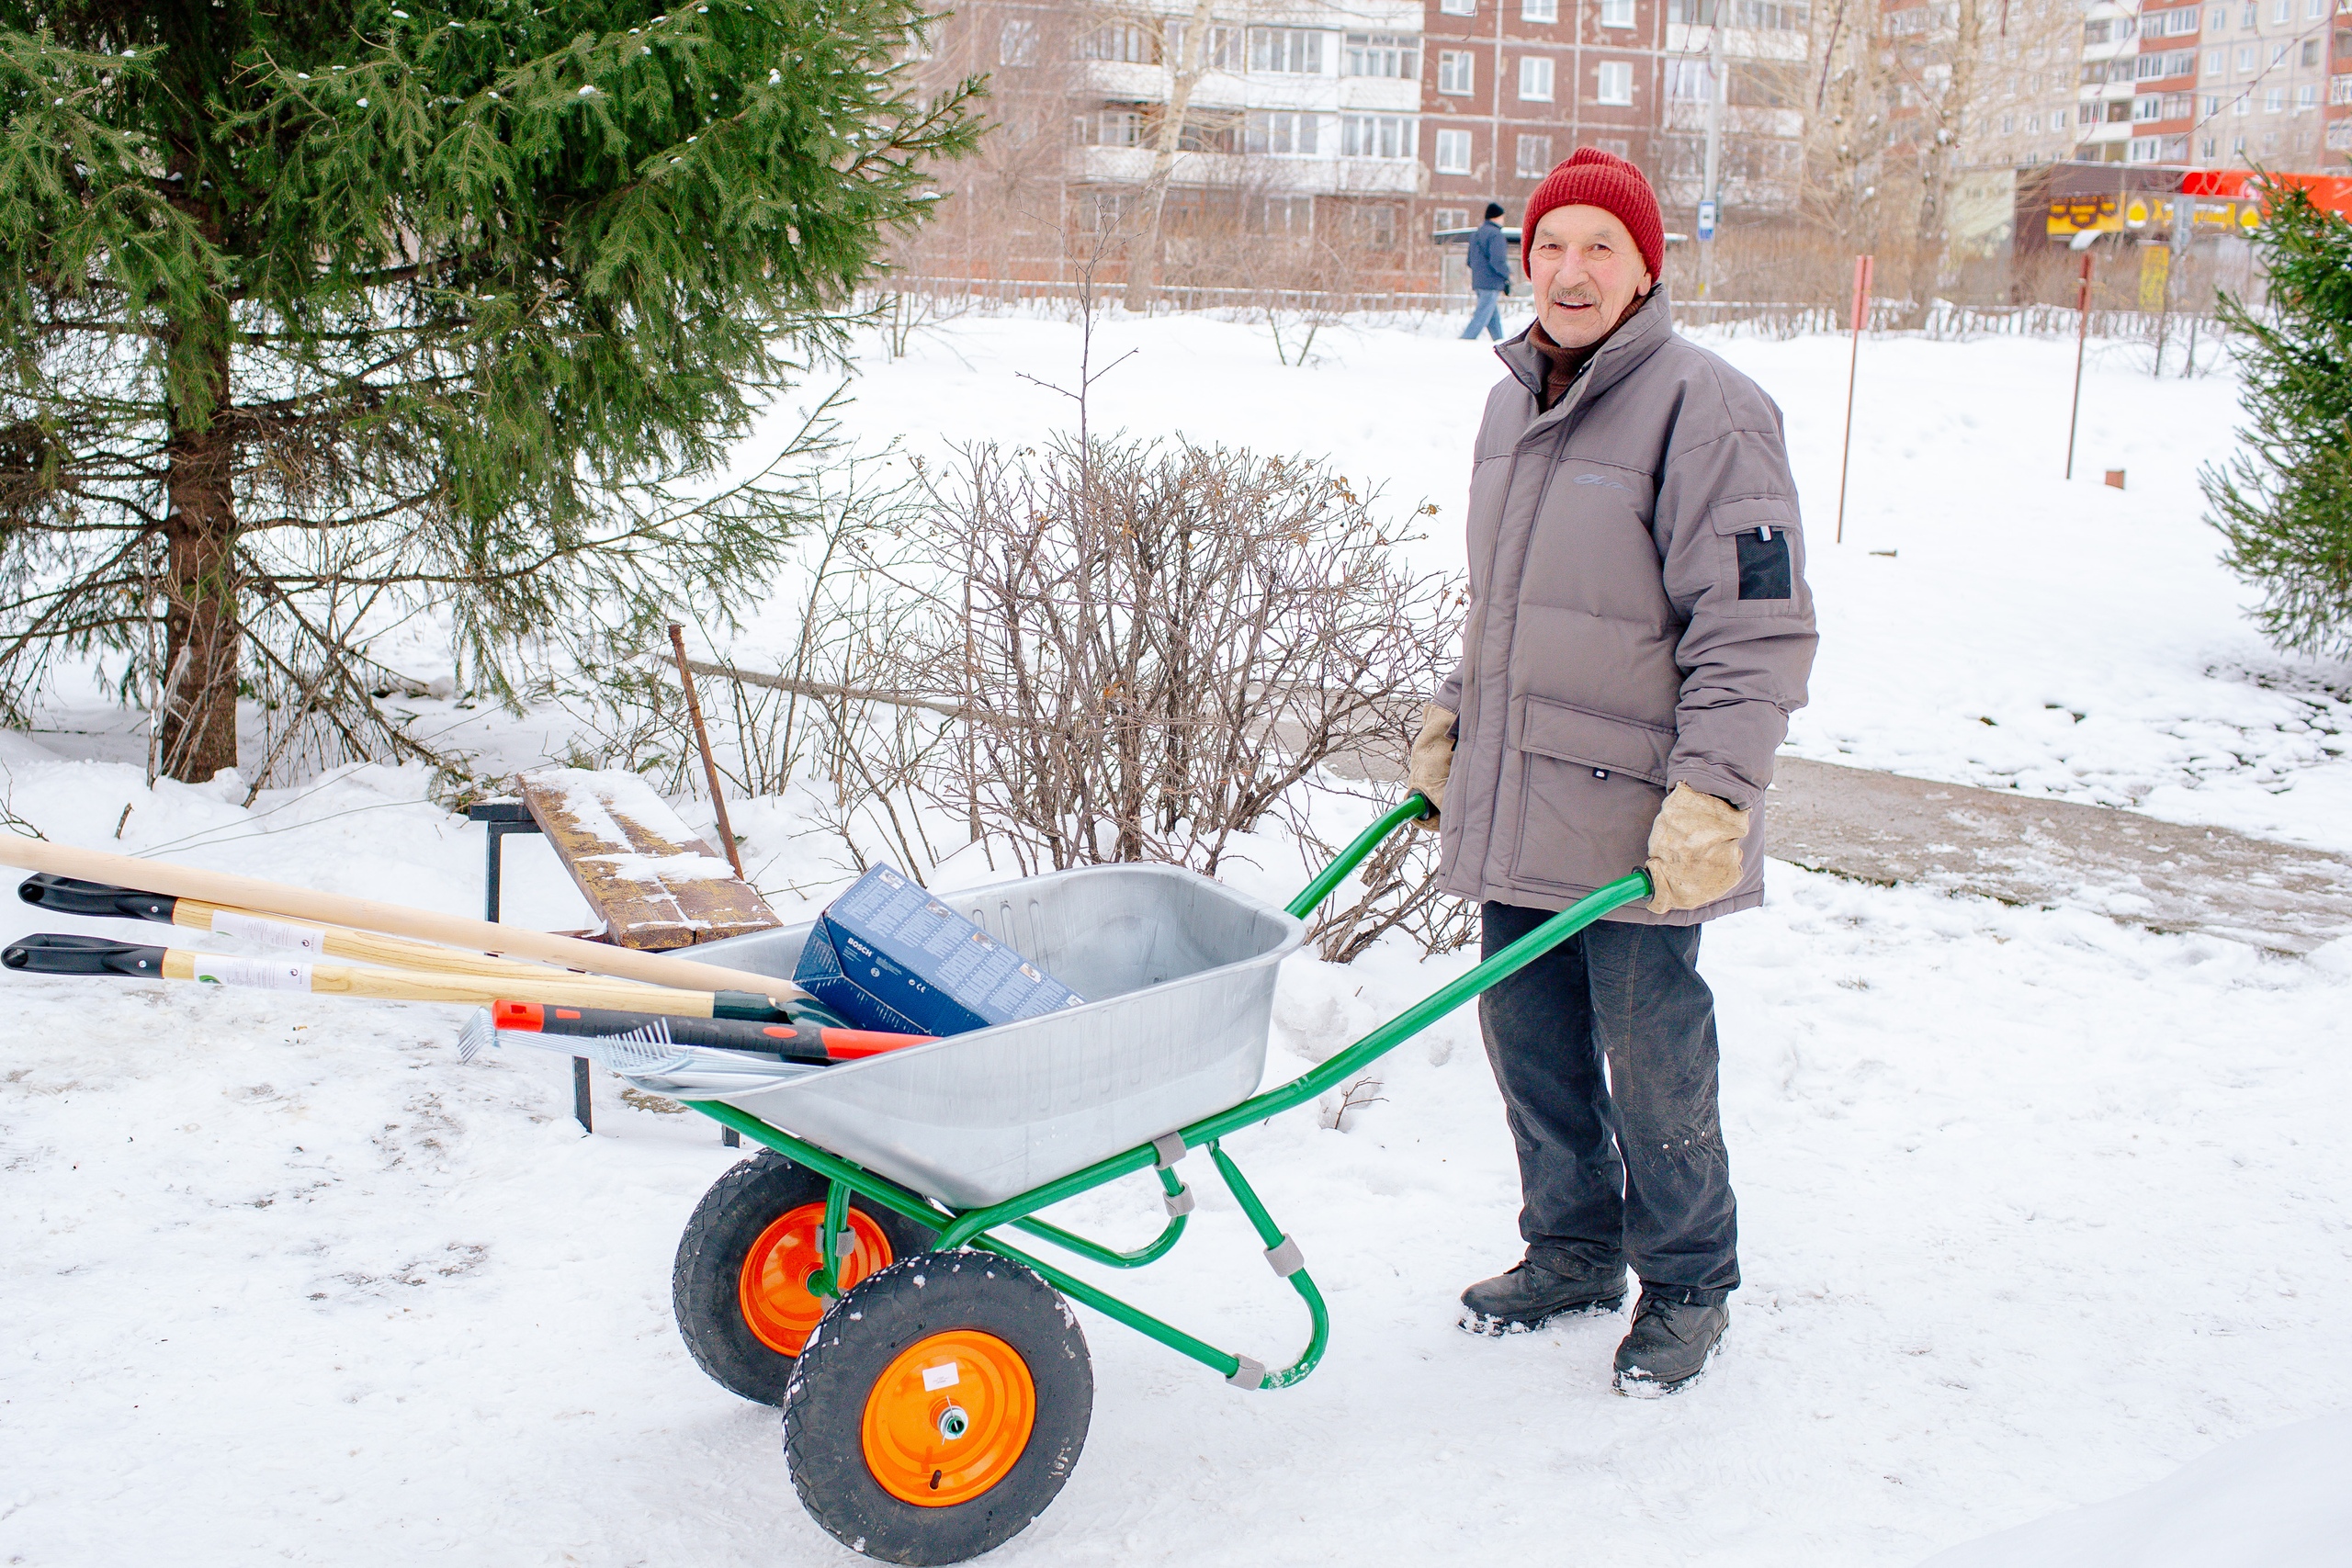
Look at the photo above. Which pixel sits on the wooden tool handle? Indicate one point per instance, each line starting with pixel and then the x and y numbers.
pixel 398 920
pixel 342 941
pixel 291 972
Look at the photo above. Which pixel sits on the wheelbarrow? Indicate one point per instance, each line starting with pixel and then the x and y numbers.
pixel 936 1386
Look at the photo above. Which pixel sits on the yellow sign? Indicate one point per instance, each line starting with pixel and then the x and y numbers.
pixel 2088 211
pixel 2156 269
pixel 2136 215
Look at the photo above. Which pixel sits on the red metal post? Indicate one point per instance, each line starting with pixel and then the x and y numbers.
pixel 1862 266
pixel 2081 331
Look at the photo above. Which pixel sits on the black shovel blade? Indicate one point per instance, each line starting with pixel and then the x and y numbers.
pixel 49 952
pixel 71 896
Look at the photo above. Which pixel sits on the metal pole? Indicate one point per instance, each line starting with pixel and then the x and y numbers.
pixel 2081 331
pixel 1712 204
pixel 1862 266
pixel 702 739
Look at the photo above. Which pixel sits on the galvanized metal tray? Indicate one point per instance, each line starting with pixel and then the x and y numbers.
pixel 1179 976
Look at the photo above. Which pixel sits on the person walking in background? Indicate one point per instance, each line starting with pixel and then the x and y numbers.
pixel 1639 631
pixel 1489 275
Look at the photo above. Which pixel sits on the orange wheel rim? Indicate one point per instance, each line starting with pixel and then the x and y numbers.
pixel 948 1417
pixel 773 1286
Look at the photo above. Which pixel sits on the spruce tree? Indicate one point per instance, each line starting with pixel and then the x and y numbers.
pixel 2284 501
pixel 316 316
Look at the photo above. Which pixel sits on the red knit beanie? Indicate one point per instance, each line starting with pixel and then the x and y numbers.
pixel 1593 178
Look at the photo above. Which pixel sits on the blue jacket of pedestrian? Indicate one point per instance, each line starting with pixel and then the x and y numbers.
pixel 1490 257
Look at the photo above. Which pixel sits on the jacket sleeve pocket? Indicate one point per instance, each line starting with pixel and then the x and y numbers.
pixel 1760 537
pixel 1594 741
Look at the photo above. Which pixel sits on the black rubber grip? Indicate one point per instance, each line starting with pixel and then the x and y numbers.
pixel 71 895
pixel 48 952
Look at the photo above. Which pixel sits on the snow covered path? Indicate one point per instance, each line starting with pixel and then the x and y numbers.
pixel 2036 1208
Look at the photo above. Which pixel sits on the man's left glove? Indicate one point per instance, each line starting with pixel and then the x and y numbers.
pixel 1694 851
pixel 1432 762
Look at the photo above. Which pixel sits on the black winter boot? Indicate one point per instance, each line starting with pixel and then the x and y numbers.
pixel 1670 1344
pixel 1531 1296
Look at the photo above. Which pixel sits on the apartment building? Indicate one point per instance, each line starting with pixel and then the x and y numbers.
pixel 1508 87
pixel 1305 116
pixel 2263 82
pixel 1292 123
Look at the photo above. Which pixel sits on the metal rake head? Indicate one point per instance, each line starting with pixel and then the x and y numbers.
pixel 641 1050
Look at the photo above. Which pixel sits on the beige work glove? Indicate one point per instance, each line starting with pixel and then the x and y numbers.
pixel 1694 851
pixel 1431 761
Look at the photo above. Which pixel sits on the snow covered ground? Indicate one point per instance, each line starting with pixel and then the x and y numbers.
pixel 2037 1208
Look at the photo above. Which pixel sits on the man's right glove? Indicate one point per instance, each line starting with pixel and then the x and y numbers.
pixel 1694 851
pixel 1431 761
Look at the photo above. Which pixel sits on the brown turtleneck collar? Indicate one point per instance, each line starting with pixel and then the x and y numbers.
pixel 1562 364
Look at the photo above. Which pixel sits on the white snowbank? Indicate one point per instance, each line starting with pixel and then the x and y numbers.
pixel 2280 1498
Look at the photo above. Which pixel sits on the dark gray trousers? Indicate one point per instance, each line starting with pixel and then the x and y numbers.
pixel 1626 1165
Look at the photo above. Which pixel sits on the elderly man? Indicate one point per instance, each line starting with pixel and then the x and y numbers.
pixel 1639 632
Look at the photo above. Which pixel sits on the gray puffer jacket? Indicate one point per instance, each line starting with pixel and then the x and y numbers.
pixel 1639 617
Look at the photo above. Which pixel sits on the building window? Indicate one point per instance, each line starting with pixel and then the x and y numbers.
pixel 2149 108
pixel 1375 225
pixel 1458 7
pixel 2339 89
pixel 2176 106
pixel 2282 12
pixel 2212 104
pixel 2221 19
pixel 2182 21
pixel 1445 218
pixel 1539 10
pixel 1690 81
pixel 1615 146
pixel 1453 152
pixel 2311 51
pixel 2244 105
pixel 1615 83
pixel 1377 136
pixel 2216 62
pixel 2033 125
pixel 2307 96
pixel 1458 71
pixel 2249 18
pixel 1016 42
pixel 1534 79
pixel 2246 60
pixel 2279 53
pixel 1291 215
pixel 2086 114
pixel 1286 51
pixel 1383 54
pixel 1535 157
pixel 1616 13
pixel 2237 145
pixel 2274 100
pixel 1112 127
pixel 2008 124
pixel 2142 150
pixel 1280 133
pixel 1125 42
pixel 2209 148
pixel 2315 10
pixel 1101 212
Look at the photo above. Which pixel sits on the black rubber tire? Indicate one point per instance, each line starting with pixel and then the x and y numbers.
pixel 913 1299
pixel 704 1281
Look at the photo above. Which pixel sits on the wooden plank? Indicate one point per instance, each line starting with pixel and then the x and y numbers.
pixel 655 884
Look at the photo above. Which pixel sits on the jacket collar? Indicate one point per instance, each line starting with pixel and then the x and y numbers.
pixel 1641 335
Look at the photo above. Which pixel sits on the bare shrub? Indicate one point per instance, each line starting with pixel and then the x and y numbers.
pixel 1153 643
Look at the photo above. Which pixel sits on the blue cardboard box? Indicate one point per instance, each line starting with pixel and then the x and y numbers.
pixel 888 956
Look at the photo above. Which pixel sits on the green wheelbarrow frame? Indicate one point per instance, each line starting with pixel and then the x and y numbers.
pixel 978 1227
